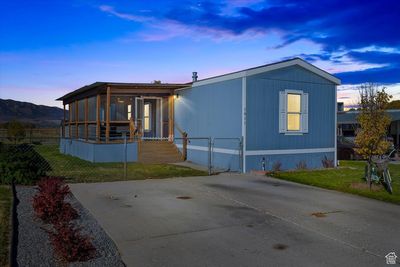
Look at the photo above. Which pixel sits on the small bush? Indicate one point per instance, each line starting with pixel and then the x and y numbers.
pixel 302 165
pixel 49 203
pixel 327 163
pixel 22 164
pixel 276 167
pixel 70 244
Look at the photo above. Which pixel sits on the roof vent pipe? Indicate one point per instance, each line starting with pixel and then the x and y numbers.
pixel 194 76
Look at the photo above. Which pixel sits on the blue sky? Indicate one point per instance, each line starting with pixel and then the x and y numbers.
pixel 49 48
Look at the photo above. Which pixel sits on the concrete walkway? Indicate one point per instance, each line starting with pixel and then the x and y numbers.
pixel 241 220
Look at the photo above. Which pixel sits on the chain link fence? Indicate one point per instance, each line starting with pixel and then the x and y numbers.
pixel 42 156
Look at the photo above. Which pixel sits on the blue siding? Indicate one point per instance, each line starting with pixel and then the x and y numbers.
pixel 98 152
pixel 289 162
pixel 220 161
pixel 263 110
pixel 212 110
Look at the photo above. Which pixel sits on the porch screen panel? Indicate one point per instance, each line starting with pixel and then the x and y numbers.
pixel 92 132
pixel 121 108
pixel 71 107
pixel 92 108
pixel 81 110
pixel 66 133
pixel 81 131
pixel 103 107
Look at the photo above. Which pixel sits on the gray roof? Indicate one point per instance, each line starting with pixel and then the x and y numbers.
pixel 349 117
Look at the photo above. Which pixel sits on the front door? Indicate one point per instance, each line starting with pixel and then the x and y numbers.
pixel 149 117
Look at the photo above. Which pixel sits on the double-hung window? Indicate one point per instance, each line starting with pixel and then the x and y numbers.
pixel 293 112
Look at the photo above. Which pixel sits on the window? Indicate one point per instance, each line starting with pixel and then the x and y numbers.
pixel 129 111
pixel 146 117
pixel 293 112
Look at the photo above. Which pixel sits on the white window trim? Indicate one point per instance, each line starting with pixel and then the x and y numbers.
pixel 301 93
pixel 144 117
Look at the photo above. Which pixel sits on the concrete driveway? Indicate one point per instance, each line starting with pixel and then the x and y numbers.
pixel 241 220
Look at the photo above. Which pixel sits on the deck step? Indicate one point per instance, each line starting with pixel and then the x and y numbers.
pixel 159 152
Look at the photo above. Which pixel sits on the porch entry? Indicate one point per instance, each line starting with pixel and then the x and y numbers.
pixel 149 117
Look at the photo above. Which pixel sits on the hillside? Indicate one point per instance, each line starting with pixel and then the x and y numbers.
pixel 40 115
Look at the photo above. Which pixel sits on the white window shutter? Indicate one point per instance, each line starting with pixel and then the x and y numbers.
pixel 304 113
pixel 282 112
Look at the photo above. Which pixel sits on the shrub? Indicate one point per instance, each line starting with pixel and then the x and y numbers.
pixel 49 203
pixel 276 167
pixel 22 164
pixel 15 131
pixel 70 244
pixel 327 163
pixel 302 165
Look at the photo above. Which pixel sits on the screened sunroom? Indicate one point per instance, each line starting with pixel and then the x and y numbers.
pixel 109 112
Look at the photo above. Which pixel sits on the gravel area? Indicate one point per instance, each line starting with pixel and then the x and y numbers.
pixel 35 249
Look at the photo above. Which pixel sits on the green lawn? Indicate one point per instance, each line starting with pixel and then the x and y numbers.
pixel 5 206
pixel 76 170
pixel 347 178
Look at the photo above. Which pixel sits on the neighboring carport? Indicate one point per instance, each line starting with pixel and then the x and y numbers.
pixel 241 220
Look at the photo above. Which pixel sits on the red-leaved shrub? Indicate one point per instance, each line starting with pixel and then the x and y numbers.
pixel 49 203
pixel 70 244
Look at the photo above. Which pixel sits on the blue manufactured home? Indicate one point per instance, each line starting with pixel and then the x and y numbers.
pixel 282 113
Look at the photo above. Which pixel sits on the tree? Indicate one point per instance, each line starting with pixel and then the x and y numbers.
pixel 15 131
pixel 157 82
pixel 395 104
pixel 374 122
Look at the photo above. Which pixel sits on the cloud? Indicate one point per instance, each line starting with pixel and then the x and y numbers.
pixel 341 26
pixel 359 37
pixel 384 75
pixel 125 16
pixel 333 23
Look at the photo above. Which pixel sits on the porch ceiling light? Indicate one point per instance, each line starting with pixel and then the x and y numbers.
pixel 176 96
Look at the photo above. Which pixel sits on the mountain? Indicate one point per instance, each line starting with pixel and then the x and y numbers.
pixel 40 115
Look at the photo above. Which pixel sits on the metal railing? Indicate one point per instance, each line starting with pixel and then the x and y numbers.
pixel 185 140
pixel 240 148
pixel 210 149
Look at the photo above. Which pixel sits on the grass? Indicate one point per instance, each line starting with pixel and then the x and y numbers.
pixel 347 178
pixel 76 170
pixel 5 206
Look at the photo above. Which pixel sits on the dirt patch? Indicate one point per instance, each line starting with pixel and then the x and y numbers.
pixel 280 246
pixel 365 186
pixel 184 197
pixel 320 214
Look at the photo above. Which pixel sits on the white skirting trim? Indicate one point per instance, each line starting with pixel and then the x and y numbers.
pixel 289 151
pixel 262 152
pixel 215 149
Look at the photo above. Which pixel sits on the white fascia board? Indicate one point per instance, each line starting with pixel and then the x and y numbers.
pixel 289 151
pixel 185 88
pixel 271 67
pixel 222 78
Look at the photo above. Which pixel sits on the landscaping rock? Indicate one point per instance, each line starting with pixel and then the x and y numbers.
pixel 34 247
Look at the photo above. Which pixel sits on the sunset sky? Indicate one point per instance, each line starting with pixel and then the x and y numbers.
pixel 49 48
